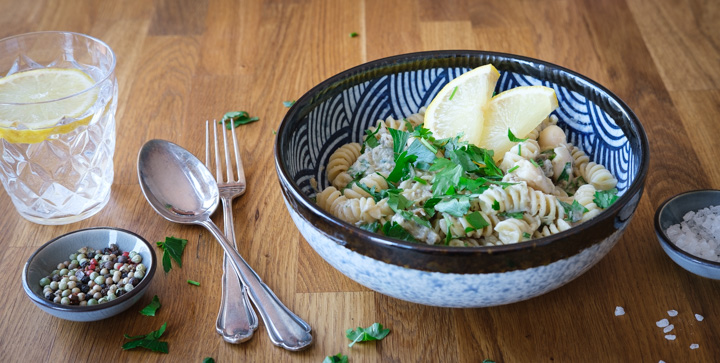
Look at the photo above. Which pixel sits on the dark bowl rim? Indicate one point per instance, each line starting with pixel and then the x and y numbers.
pixel 382 241
pixel 665 240
pixel 84 309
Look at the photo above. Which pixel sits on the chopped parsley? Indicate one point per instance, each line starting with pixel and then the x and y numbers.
pixel 496 205
pixel 444 182
pixel 516 215
pixel 453 93
pixel 457 207
pixel 526 235
pixel 149 341
pixel 337 358
pixel 398 202
pixel 395 230
pixel 564 176
pixel 288 103
pixel 353 35
pixel 192 282
pixel 420 180
pixel 374 332
pixel 402 167
pixel 400 138
pixel 513 169
pixel 605 198
pixel 172 249
pixel 412 217
pixel 476 220
pixel 573 212
pixel 238 118
pixel 208 360
pixel 152 307
pixel 513 138
pixel 372 227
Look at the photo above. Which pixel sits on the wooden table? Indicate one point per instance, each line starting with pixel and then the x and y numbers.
pixel 182 62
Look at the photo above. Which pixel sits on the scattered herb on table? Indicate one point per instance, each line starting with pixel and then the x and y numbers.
pixel 288 103
pixel 374 332
pixel 192 282
pixel 152 307
pixel 337 358
pixel 149 341
pixel 353 35
pixel 208 360
pixel 172 249
pixel 488 361
pixel 238 118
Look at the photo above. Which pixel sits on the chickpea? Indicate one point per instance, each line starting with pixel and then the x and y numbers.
pixel 551 137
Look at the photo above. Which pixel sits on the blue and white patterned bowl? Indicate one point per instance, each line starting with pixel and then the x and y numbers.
pixel 338 110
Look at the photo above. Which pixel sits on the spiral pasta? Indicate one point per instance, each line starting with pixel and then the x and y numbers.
pixel 552 228
pixel 372 181
pixel 585 195
pixel 340 162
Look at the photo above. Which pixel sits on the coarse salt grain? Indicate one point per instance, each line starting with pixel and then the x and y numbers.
pixel 672 312
pixel 698 233
pixel 694 346
pixel 619 311
pixel 699 317
pixel 662 323
pixel 668 328
pixel 670 337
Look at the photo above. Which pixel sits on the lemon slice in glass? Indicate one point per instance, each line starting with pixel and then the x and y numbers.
pixel 458 107
pixel 35 103
pixel 519 109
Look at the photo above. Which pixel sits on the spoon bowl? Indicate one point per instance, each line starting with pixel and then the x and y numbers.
pixel 181 189
pixel 179 194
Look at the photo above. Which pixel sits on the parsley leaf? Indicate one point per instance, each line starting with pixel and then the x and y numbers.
pixel 238 118
pixel 474 186
pixel 374 332
pixel 496 205
pixel 337 358
pixel 513 169
pixel 526 235
pixel 454 207
pixel 400 138
pixel 574 212
pixel 371 140
pixel 288 103
pixel 398 202
pixel 446 179
pixel 172 248
pixel 513 138
pixel 516 215
pixel 476 220
pixel 372 227
pixel 353 35
pixel 192 282
pixel 149 341
pixel 420 180
pixel 395 230
pixel 208 360
pixel 564 175
pixel 402 167
pixel 550 153
pixel 425 156
pixel 152 307
pixel 429 206
pixel 412 217
pixel 605 198
pixel 423 133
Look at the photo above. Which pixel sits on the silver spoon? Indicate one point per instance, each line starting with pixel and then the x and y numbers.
pixel 182 190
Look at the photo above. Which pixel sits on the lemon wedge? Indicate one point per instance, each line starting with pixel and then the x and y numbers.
pixel 34 103
pixel 521 110
pixel 458 107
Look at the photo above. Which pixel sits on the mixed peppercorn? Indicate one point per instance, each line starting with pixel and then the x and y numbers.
pixel 91 277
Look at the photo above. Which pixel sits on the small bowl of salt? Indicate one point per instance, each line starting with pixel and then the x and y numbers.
pixel 688 227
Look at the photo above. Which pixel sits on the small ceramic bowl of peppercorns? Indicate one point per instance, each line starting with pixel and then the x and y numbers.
pixel 89 274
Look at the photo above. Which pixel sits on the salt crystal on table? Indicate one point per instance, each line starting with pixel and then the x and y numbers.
pixel 668 328
pixel 662 323
pixel 699 317
pixel 619 311
pixel 670 337
pixel 672 312
pixel 694 346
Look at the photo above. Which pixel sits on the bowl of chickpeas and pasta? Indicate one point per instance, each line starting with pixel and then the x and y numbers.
pixel 444 222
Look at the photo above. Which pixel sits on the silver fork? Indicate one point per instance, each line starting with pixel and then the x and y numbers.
pixel 236 320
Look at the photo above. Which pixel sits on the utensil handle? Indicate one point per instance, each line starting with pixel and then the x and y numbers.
pixel 236 320
pixel 285 328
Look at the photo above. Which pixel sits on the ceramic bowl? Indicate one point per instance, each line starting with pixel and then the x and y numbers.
pixel 338 110
pixel 57 250
pixel 671 212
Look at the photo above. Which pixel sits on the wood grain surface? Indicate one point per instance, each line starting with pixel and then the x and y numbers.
pixel 182 62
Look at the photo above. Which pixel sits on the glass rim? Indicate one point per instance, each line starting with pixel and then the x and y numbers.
pixel 107 74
